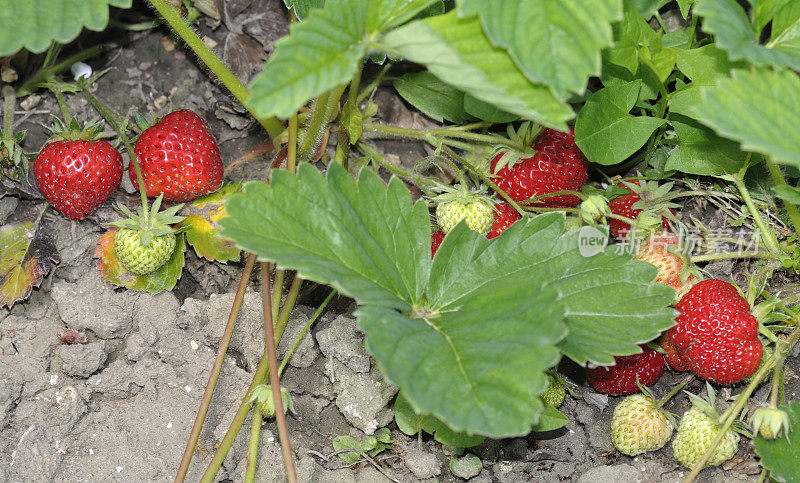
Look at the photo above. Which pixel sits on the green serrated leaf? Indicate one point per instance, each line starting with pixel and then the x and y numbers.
pixel 631 34
pixel 606 132
pixel 348 442
pixel 303 7
pixel 728 22
pixel 436 99
pixel 412 423
pixel 779 456
pixel 550 419
pixel 758 109
pixel 553 42
pixel 436 327
pixel 33 25
pixel 787 193
pixel 701 151
pixel 684 6
pixel 648 8
pixel 486 112
pixel 324 51
pixel 765 10
pixel 457 51
pixel 785 35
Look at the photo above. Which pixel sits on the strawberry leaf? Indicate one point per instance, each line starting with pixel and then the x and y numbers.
pixel 324 51
pixel 436 327
pixel 553 42
pixel 112 270
pixel 701 151
pixel 434 98
pixel 28 255
pixel 739 107
pixel 33 25
pixel 412 423
pixel 779 456
pixel 458 51
pixel 550 419
pixel 729 23
pixel 202 231
pixel 302 7
pixel 606 132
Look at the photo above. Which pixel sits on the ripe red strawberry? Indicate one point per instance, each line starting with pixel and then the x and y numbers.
pixel 715 333
pixel 671 266
pixel 558 165
pixel 620 379
pixel 623 206
pixel 504 216
pixel 671 355
pixel 436 241
pixel 77 173
pixel 178 157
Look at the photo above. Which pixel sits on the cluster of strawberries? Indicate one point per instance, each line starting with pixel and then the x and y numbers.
pixel 76 172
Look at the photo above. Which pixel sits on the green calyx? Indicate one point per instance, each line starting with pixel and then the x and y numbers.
pixel 70 130
pixel 769 422
pixel 152 223
pixel 262 395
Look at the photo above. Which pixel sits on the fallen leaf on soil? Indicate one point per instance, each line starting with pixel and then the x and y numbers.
pixel 201 219
pixel 28 255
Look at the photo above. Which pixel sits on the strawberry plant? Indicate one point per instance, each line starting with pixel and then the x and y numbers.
pixel 574 117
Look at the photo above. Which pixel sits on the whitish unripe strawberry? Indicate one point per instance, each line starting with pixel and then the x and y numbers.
pixel 696 431
pixel 476 211
pixel 638 427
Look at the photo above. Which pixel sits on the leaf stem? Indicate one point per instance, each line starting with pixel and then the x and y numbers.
pixel 274 378
pixel 780 180
pixel 273 127
pixel 252 447
pixel 369 151
pixel 215 369
pixel 111 117
pixel 733 255
pixel 374 84
pixel 675 390
pixel 308 325
pixel 385 130
pixel 767 236
pixel 45 72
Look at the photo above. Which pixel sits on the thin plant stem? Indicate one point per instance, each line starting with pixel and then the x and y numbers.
pixel 780 180
pixel 273 127
pixel 252 447
pixel 303 332
pixel 291 147
pixel 314 126
pixel 675 390
pixel 274 379
pixel 766 235
pixel 9 100
pixel 215 369
pixel 113 120
pixel 733 255
pixel 417 180
pixel 422 134
pixel 62 104
pixel 374 84
pixel 45 72
pixel 277 290
pixel 288 304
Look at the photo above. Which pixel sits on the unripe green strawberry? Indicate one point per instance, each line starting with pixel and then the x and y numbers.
pixel 696 431
pixel 477 211
pixel 638 427
pixel 555 392
pixel 140 259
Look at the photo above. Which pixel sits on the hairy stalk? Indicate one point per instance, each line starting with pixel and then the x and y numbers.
pixel 324 109
pixel 9 101
pixel 767 236
pixel 374 84
pixel 277 290
pixel 343 143
pixel 273 127
pixel 46 72
pixel 274 379
pixel 388 131
pixel 111 118
pixel 215 369
pixel 419 181
pixel 675 390
pixel 727 256
pixel 252 446
pixel 291 146
pixel 780 180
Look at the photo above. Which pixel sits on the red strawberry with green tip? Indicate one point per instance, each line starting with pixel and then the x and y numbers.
pixel 504 216
pixel 178 157
pixel 77 172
